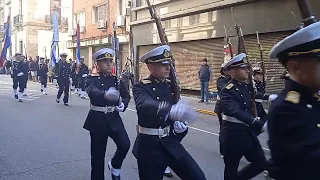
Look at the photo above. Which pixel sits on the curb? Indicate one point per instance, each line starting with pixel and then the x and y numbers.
pixel 208 112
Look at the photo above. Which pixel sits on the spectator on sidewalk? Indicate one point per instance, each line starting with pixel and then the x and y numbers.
pixel 205 76
pixel 34 70
pixel 7 67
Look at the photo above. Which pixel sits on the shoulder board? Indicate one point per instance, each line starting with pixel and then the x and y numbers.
pixel 95 75
pixel 229 86
pixel 146 81
pixel 168 80
pixel 293 97
pixel 316 96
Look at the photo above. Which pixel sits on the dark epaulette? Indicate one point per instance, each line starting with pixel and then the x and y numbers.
pixel 146 81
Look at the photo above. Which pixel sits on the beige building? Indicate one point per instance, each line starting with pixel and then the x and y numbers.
pixel 31 24
pixel 195 29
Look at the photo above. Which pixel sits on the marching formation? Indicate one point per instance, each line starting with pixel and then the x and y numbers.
pixel 163 118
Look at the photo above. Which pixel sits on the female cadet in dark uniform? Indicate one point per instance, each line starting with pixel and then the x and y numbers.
pixel 161 123
pixel 107 99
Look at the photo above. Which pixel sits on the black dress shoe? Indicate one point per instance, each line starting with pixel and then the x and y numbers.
pixel 16 96
pixel 113 177
pixel 20 100
pixel 57 100
pixel 169 174
pixel 66 104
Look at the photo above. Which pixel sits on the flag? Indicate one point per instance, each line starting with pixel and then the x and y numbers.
pixel 7 42
pixel 55 38
pixel 78 43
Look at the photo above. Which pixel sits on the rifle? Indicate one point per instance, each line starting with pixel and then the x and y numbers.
pixel 306 13
pixel 228 41
pixel 116 51
pixel 164 41
pixel 24 46
pixel 262 60
pixel 242 49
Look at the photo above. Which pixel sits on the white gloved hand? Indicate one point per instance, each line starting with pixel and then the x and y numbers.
pixel 120 108
pixel 112 94
pixel 70 80
pixel 85 75
pixel 182 112
pixel 20 74
pixel 179 127
pixel 272 97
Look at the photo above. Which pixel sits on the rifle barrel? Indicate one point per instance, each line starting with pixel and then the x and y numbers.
pixel 306 12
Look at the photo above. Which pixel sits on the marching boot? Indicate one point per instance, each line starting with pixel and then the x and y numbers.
pixel 20 97
pixel 76 90
pixel 82 95
pixel 115 173
pixel 45 91
pixel 42 88
pixel 24 92
pixel 15 91
pixel 58 100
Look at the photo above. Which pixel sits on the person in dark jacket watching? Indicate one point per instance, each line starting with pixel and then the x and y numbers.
pixel 205 76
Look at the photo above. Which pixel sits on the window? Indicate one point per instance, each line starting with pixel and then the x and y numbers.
pixel 194 19
pixel 139 3
pixel 81 18
pixel 99 13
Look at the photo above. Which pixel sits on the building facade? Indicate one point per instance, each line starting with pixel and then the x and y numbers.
pixel 96 20
pixel 31 27
pixel 195 29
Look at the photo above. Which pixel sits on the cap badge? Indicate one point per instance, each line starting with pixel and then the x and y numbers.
pixel 166 54
pixel 107 55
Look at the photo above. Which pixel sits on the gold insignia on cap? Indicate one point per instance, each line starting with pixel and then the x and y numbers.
pixel 166 54
pixel 229 86
pixel 107 55
pixel 293 97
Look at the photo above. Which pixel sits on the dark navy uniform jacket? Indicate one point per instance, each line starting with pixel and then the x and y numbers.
pixel 83 70
pixel 19 66
pixel 222 81
pixel 43 70
pixel 64 70
pixel 236 102
pixel 96 85
pixel 148 96
pixel 294 133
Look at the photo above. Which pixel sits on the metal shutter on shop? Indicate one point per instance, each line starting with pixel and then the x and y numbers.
pixel 188 57
pixel 273 68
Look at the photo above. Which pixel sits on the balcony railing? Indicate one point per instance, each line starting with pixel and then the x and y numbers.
pixel 17 20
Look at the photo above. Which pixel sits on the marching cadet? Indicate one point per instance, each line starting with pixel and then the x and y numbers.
pixel 63 72
pixel 239 126
pixel 43 74
pixel 107 98
pixel 82 74
pixel 19 75
pixel 221 83
pixel 74 76
pixel 161 123
pixel 293 122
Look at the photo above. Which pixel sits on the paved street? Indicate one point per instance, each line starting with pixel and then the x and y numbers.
pixel 43 140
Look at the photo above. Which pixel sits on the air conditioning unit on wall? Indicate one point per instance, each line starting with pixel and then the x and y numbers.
pixel 120 21
pixel 102 24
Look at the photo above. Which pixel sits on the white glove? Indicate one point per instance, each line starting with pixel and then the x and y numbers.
pixel 179 127
pixel 112 94
pixel 120 108
pixel 85 75
pixel 182 112
pixel 20 74
pixel 272 97
pixel 70 80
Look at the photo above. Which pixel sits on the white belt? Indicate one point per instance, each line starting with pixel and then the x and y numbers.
pixel 155 132
pixel 106 109
pixel 259 100
pixel 233 119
